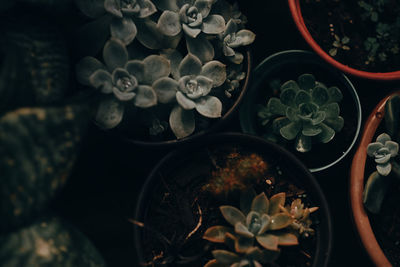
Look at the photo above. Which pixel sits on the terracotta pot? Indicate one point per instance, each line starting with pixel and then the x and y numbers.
pixel 215 126
pixel 295 9
pixel 357 176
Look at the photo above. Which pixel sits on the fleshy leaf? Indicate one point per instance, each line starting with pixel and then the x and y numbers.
pixel 200 47
pixel 169 23
pixel 232 215
pixel 331 110
pixel 302 97
pixel 276 107
pixel 268 241
pixel 216 234
pixel 242 230
pixel 214 263
pixel 102 79
pixel 335 94
pixel 306 82
pixel 175 59
pixel 275 202
pixel 155 67
pixel 290 131
pixel 373 147
pixel 310 130
pixel 265 220
pixel 123 29
pixel 279 123
pixel 290 85
pixel 190 65
pixel 287 239
pixel 182 122
pixel 320 95
pixel 145 97
pixel 246 198
pixel 150 36
pixel 115 54
pixel 327 133
pixel 384 169
pixel 209 106
pixel 374 192
pixel 147 8
pixel 260 204
pixel 85 68
pixel 136 68
pixel 213 24
pixel 225 257
pixel 123 96
pixel 215 71
pixel 203 6
pixel 243 244
pixel 166 5
pixel 109 113
pixel 280 221
pixel 192 32
pixel 336 123
pixel 184 101
pixel 288 97
pixel 113 7
pixel 166 89
pixel 393 148
pixel 243 38
pixel 383 138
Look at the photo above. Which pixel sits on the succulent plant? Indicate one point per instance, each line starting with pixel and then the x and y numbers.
pixel 339 43
pixel 232 38
pixel 260 219
pixel 254 257
pixel 122 25
pixel 383 150
pixel 191 92
pixel 301 215
pixel 190 16
pixel 235 75
pixel 122 81
pixel 307 110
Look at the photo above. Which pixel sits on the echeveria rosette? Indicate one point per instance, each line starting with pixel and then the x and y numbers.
pixel 301 215
pixel 231 38
pixel 190 89
pixel 306 110
pixel 122 25
pixel 121 81
pixel 260 219
pixel 383 150
pixel 191 17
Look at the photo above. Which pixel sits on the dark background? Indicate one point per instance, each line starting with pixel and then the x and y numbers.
pixel 102 191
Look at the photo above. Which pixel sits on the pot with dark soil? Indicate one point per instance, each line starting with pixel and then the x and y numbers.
pixel 375 183
pixel 358 37
pixel 172 71
pixel 232 200
pixel 303 104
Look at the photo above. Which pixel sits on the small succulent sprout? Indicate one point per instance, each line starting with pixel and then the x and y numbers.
pixel 260 219
pixel 122 81
pixel 301 215
pixel 307 110
pixel 191 92
pixel 193 17
pixel 232 38
pixel 254 257
pixel 383 150
pixel 122 25
pixel 339 43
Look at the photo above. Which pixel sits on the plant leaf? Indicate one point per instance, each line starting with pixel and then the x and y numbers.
pixel 213 24
pixel 115 54
pixel 287 239
pixel 136 69
pixel 190 65
pixel 166 89
pixel 225 257
pixel 290 131
pixel 306 82
pixel 109 113
pixel 182 122
pixel 200 47
pixel 209 106
pixel 280 221
pixel 232 215
pixel 169 23
pixel 123 29
pixel 216 234
pixel 102 79
pixel 320 95
pixel 86 67
pixel 155 67
pixel 268 241
pixel 184 101
pixel 260 204
pixel 216 71
pixel 145 97
pixel 243 38
pixel 374 192
pixel 276 107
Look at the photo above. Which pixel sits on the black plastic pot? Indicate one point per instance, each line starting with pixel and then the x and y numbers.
pixel 217 125
pixel 288 65
pixel 287 162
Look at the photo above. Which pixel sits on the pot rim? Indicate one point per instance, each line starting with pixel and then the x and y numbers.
pixel 321 255
pixel 345 81
pixel 295 10
pixel 216 126
pixel 359 215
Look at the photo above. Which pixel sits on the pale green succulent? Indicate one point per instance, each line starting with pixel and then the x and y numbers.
pixel 302 221
pixel 233 38
pixel 383 150
pixel 306 111
pixel 122 81
pixel 254 257
pixel 190 90
pixel 122 25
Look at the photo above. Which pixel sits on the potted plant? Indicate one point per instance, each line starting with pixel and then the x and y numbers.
pixel 172 69
pixel 237 200
pixel 340 33
pixel 305 105
pixel 374 182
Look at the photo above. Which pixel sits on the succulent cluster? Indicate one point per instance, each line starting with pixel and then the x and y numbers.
pixel 339 43
pixel 147 66
pixel 260 227
pixel 384 152
pixel 385 40
pixel 306 111
pixel 240 172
